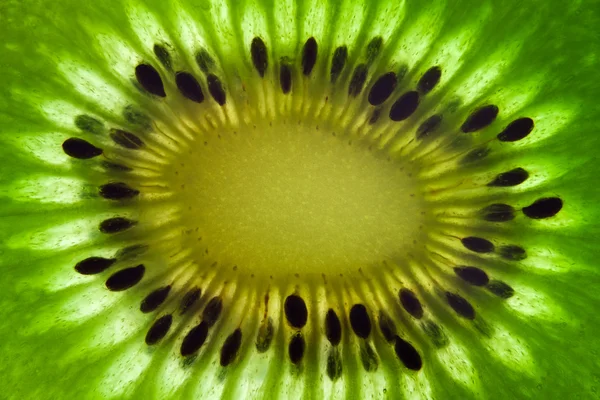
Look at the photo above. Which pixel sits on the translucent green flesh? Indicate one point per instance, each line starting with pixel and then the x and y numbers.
pixel 65 336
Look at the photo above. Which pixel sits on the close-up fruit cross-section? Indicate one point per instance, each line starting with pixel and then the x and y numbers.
pixel 288 199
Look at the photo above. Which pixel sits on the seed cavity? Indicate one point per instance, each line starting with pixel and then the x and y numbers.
pixel 500 289
pixel 516 130
pixel 429 80
pixel 513 177
pixel 368 357
pixel 205 61
pixel 334 364
pixel 333 328
pixel 163 56
pixel 411 303
pixel 285 77
pixel 126 139
pixel 189 87
pixel 137 118
pixel 215 87
pixel 405 106
pixel 429 126
pixel 212 311
pixel 477 244
pixel 150 79
pixel 295 311
pixel 460 305
pixel 375 116
pixel 435 333
pixel 475 155
pixel 340 55
pixel 357 82
pixel 498 213
pixel 155 299
pixel 159 329
pixel 373 49
pixel 81 149
pixel 116 225
pixel 265 336
pixel 117 191
pixel 125 278
pixel 94 265
pixel 543 208
pixel 132 251
pixel 472 275
pixel 296 348
pixel 512 252
pixel 194 339
pixel 387 326
pixel 89 124
pixel 189 299
pixel 231 347
pixel 480 118
pixel 383 88
pixel 359 321
pixel 408 354
pixel 309 56
pixel 260 57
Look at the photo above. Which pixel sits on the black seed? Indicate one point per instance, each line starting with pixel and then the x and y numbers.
pixel 204 61
pixel 435 333
pixel 359 320
pixel 212 311
pixel 513 177
pixel 405 106
pixel 137 118
pixel 428 126
pixel 126 139
pixel 265 336
pixel 296 348
pixel 512 252
pixel 388 329
pixel 477 244
pixel 116 167
pixel 189 87
pixel 460 305
pixel 543 208
pixel 117 191
pixel 125 278
pixel 430 78
pixel 215 87
pixel 150 80
pixel 500 289
pixel 374 48
pixel 159 329
pixel 480 118
pixel 368 357
pixel 309 56
pixel 285 78
pixel 163 56
pixel 475 155
pixel 498 213
pixel 132 251
pixel 334 364
pixel 94 265
pixel 295 311
pixel 333 328
pixel 408 354
pixel 194 339
pixel 231 347
pixel 411 304
pixel 154 300
pixel 375 116
pixel 472 275
pixel 260 58
pixel 382 88
pixel 340 55
pixel 357 82
pixel 189 299
pixel 516 130
pixel 89 124
pixel 79 148
pixel 116 224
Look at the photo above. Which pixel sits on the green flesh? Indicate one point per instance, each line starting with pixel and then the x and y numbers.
pixel 64 335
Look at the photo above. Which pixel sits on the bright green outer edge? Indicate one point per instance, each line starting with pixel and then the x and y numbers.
pixel 560 44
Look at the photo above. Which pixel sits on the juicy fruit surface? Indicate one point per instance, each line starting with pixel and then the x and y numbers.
pixel 437 327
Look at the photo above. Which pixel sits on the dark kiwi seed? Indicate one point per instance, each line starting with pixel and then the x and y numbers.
pixel 516 130
pixel 408 354
pixel 543 208
pixel 383 88
pixel 260 57
pixel 94 265
pixel 309 56
pixel 368 358
pixel 159 329
pixel 265 336
pixel 132 251
pixel 215 87
pixel 296 348
pixel 375 116
pixel 357 82
pixel 500 289
pixel 212 311
pixel 340 55
pixel 79 148
pixel 285 78
pixel 387 327
pixel 125 278
pixel 472 275
pixel 475 155
pixel 231 347
pixel 513 177
pixel 189 299
pixel 163 56
pixel 477 244
pixel 360 321
pixel 374 48
pixel 117 191
pixel 194 339
pixel 498 213
pixel 480 118
pixel 153 300
pixel 295 311
pixel 89 124
pixel 116 225
pixel 428 126
pixel 411 304
pixel 126 139
pixel 334 364
pixel 204 60
pixel 137 118
pixel 405 106
pixel 430 78
pixel 435 333
pixel 512 252
pixel 333 328
pixel 460 305
pixel 189 87
pixel 150 79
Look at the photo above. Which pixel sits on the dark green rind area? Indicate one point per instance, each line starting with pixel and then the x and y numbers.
pixel 563 45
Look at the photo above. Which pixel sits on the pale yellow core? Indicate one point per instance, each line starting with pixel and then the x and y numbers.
pixel 288 198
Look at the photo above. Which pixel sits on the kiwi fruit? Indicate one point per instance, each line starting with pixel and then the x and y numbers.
pixel 299 199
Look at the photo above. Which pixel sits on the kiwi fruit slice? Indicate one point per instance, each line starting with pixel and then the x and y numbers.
pixel 299 199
